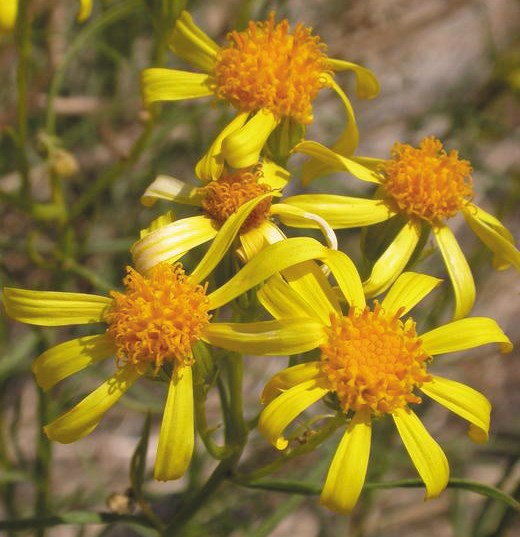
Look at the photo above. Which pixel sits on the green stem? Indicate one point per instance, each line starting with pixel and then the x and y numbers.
pixel 236 437
pixel 9 489
pixel 105 180
pixel 109 17
pixel 199 500
pixel 70 265
pixel 236 427
pixel 216 451
pixel 311 444
pixel 311 489
pixel 23 43
pixel 72 517
pixel 42 470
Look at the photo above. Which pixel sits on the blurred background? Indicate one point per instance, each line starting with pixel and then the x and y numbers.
pixel 449 68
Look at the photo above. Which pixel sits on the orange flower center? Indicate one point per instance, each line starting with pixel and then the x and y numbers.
pixel 267 67
pixel 373 361
pixel 223 197
pixel 428 182
pixel 158 318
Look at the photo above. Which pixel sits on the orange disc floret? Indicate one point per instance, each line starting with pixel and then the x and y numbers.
pixel 223 197
pixel 373 361
pixel 267 67
pixel 158 318
pixel 428 182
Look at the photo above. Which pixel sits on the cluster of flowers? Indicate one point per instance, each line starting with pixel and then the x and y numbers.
pixel 370 360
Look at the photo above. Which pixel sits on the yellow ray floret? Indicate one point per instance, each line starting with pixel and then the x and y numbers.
pixel 8 13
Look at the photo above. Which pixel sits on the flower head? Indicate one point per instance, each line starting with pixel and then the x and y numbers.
pixel 373 361
pixel 426 181
pixel 155 323
pixel 427 186
pixel 269 73
pixel 374 364
pixel 158 318
pixel 223 197
pixel 238 203
pixel 269 67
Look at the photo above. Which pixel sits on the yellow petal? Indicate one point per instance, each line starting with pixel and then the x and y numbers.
pixel 85 9
pixel 278 414
pixel 282 301
pixel 426 454
pixel 394 259
pixel 348 470
pixel 495 236
pixel 172 241
pixel 288 378
pixel 256 239
pixel 269 261
pixel 367 85
pixel 345 145
pixel 161 221
pixel 177 435
pixel 306 219
pixel 211 165
pixel 169 188
pixel 273 175
pixel 372 163
pixel 465 334
pixel 54 308
pixel 308 280
pixel 464 401
pixel 458 270
pixel 332 161
pixel 347 278
pixel 487 218
pixel 349 139
pixel 339 211
pixel 86 415
pixel 65 359
pixel 408 290
pixel 190 43
pixel 225 238
pixel 267 338
pixel 158 84
pixel 242 147
pixel 8 14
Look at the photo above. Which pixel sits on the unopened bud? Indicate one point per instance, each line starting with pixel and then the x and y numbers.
pixel 62 163
pixel 121 504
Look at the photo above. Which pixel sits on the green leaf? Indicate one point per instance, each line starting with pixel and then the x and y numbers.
pixel 138 462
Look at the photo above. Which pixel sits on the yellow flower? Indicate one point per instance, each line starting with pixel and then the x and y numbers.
pixel 85 9
pixel 269 74
pixel 373 363
pixel 425 185
pixel 8 12
pixel 238 202
pixel 155 323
